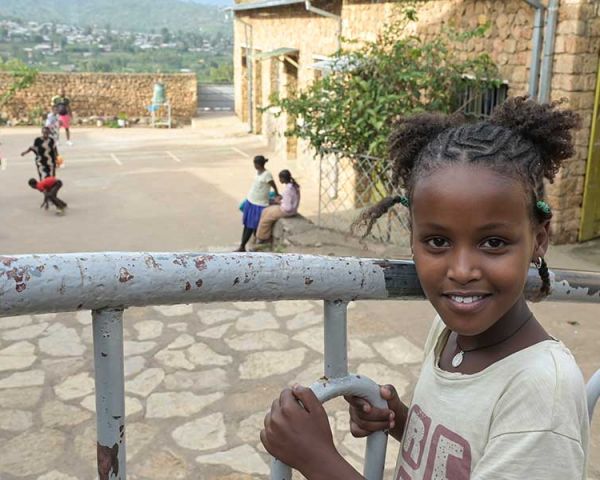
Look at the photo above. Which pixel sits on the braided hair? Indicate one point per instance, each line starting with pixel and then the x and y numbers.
pixel 523 139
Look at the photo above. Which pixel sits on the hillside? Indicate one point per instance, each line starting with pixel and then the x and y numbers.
pixel 131 15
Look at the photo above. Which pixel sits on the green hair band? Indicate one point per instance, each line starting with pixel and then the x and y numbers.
pixel 543 207
pixel 402 200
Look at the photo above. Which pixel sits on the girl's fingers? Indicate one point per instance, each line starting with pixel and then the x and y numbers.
pixel 372 426
pixel 372 414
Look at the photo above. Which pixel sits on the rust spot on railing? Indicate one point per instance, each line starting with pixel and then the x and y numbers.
pixel 180 260
pixel 308 280
pixel 20 276
pixel 151 263
pixel 108 461
pixel 201 261
pixel 199 282
pixel 7 261
pixel 124 275
pixel 188 286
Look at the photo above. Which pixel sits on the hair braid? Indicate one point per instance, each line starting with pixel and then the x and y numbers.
pixel 545 276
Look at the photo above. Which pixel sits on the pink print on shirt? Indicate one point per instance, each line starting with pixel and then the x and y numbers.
pixel 449 456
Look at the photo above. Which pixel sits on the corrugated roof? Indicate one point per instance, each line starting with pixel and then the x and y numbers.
pixel 264 4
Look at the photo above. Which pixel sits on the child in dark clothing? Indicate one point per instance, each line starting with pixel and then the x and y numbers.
pixel 49 186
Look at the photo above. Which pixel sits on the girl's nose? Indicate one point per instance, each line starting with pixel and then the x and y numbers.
pixel 464 267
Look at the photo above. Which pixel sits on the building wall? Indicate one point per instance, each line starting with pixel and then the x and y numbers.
pixel 507 41
pixel 104 94
pixel 291 27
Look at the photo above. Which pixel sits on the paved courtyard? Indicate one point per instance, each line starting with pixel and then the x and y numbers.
pixel 199 378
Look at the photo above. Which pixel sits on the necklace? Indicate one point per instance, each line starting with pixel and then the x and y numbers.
pixel 458 358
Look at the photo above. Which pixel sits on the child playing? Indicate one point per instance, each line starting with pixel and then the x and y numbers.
pixel 63 108
pixel 49 186
pixel 53 123
pixel 46 154
pixel 257 200
pixel 497 397
pixel 285 206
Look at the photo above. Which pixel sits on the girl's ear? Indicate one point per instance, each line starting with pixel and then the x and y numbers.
pixel 542 239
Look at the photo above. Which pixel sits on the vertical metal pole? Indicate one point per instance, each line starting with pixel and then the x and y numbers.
pixel 336 341
pixel 548 60
pixel 320 187
pixel 107 327
pixel 536 51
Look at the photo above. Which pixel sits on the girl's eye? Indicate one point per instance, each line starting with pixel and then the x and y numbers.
pixel 438 242
pixel 494 243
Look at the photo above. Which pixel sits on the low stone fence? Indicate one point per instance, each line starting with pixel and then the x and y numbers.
pixel 102 95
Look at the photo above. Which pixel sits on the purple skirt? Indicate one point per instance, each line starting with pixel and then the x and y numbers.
pixel 251 215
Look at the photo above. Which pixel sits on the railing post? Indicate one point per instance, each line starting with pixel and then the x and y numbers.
pixel 110 392
pixel 336 339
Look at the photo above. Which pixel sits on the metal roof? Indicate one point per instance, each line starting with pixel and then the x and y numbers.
pixel 264 4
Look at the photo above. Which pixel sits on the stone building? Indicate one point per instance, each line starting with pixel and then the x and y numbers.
pixel 279 44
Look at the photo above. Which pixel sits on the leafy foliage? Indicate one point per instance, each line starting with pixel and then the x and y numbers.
pixel 23 77
pixel 354 107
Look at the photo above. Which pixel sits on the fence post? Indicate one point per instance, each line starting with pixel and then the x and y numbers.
pixel 320 188
pixel 107 327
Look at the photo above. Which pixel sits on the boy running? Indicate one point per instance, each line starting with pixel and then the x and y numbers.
pixel 63 105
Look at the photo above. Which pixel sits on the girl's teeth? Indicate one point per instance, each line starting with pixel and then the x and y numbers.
pixel 465 299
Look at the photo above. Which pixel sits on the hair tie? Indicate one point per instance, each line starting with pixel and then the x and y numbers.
pixel 402 200
pixel 543 207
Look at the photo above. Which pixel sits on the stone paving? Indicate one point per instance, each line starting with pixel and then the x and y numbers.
pixel 199 379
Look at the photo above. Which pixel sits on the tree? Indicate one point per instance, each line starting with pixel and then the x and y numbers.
pixel 23 77
pixel 166 35
pixel 354 107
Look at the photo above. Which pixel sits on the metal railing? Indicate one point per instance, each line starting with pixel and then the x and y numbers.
pixel 108 283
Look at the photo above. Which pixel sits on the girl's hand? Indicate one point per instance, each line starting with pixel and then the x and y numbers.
pixel 298 434
pixel 366 419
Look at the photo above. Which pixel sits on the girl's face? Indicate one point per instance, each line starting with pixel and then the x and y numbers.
pixel 258 166
pixel 473 240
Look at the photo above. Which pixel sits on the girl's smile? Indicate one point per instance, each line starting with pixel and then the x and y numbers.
pixel 473 240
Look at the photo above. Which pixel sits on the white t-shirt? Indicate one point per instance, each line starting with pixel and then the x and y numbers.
pixel 523 417
pixel 259 192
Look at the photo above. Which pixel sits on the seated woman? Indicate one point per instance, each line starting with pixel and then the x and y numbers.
pixel 285 206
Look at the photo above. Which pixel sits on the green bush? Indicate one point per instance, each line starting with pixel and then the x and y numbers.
pixel 353 108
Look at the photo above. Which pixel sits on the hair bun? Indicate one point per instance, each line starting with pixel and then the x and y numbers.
pixel 409 137
pixel 545 125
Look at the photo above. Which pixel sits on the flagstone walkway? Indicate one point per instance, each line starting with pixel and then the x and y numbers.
pixel 199 380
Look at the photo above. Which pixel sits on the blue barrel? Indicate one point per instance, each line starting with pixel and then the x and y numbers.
pixel 159 96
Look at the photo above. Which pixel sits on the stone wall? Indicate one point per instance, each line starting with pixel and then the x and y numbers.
pixel 104 94
pixel 508 42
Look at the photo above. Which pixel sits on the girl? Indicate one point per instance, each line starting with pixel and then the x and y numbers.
pixel 286 206
pixel 45 152
pixel 257 200
pixel 497 397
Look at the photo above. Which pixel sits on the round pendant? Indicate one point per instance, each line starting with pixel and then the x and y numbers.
pixel 457 359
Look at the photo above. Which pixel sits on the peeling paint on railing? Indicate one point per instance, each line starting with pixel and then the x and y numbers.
pixel 75 281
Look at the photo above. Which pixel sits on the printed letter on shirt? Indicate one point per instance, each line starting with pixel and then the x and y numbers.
pixel 415 436
pixel 449 456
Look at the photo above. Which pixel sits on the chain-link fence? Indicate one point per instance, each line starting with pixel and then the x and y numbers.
pixel 348 186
